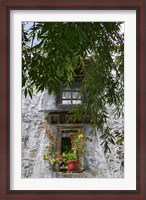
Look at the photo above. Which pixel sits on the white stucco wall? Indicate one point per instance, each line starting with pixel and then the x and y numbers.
pixel 34 140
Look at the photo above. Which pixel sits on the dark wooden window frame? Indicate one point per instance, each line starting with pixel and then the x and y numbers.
pixel 71 90
pixel 71 128
pixel 61 128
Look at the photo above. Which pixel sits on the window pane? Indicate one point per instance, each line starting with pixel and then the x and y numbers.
pixel 76 95
pixel 66 95
pixel 76 102
pixel 66 145
pixel 66 101
pixel 76 85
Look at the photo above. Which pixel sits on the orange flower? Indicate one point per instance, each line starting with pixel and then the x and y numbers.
pixel 80 131
pixel 60 158
pixel 71 135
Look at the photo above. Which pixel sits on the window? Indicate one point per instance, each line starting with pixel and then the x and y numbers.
pixel 64 141
pixel 71 95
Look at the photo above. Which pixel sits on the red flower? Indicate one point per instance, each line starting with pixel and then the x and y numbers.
pixel 71 135
pixel 90 139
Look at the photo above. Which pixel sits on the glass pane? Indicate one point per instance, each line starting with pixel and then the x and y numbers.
pixel 66 145
pixel 76 95
pixel 76 102
pixel 66 95
pixel 76 85
pixel 66 101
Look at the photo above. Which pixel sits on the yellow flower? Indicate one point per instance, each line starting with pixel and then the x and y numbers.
pixel 80 136
pixel 53 161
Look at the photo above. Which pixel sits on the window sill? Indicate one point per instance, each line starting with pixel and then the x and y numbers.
pixel 66 171
pixel 67 174
pixel 66 106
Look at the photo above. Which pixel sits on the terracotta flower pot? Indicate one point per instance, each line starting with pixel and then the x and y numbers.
pixel 73 165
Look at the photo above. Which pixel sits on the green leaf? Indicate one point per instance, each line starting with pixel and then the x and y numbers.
pixel 111 140
pixel 30 93
pixel 25 92
pixel 120 141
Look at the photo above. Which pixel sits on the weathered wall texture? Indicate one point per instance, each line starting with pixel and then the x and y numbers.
pixel 34 140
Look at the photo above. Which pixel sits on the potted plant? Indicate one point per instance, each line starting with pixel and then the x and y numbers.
pixel 71 161
pixel 78 142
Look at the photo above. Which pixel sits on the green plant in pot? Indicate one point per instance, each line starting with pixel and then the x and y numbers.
pixel 71 161
pixel 70 158
pixel 78 144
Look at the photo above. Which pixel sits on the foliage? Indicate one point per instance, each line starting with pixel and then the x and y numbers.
pixel 66 145
pixel 69 156
pixel 50 152
pixel 112 137
pixel 96 49
pixel 78 143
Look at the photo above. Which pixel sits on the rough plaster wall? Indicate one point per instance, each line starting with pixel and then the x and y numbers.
pixel 34 140
pixel 47 102
pixel 115 159
pixel 32 133
pixel 95 163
